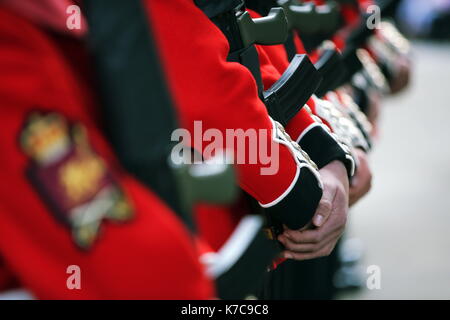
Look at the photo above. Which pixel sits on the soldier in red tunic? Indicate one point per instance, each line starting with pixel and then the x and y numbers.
pixel 65 202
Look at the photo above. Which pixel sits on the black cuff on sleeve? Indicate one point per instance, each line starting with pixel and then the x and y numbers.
pixel 297 208
pixel 323 148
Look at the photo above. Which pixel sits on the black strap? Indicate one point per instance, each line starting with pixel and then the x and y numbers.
pixel 290 47
pixel 138 112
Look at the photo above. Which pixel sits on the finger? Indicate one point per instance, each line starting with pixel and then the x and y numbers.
pixel 326 251
pixel 305 256
pixel 301 256
pixel 312 235
pixel 331 239
pixel 323 212
pixel 297 247
pixel 305 236
pixel 309 225
pixel 309 247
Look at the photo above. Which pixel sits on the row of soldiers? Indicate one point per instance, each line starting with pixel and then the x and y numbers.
pixel 98 200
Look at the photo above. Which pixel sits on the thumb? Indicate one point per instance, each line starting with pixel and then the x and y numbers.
pixel 323 212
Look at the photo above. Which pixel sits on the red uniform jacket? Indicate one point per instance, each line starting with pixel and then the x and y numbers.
pixel 223 95
pixel 64 199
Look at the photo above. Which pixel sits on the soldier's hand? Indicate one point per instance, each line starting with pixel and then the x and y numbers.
pixel 362 181
pixel 320 237
pixel 373 113
pixel 402 78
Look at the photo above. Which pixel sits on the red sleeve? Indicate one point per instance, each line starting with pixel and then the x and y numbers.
pixel 63 182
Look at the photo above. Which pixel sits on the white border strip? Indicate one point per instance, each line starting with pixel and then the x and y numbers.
pixel 234 248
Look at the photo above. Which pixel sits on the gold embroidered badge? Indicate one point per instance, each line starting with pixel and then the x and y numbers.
pixel 71 178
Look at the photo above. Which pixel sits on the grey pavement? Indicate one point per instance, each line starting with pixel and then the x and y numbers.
pixel 405 221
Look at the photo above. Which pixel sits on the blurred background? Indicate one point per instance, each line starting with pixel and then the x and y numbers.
pixel 403 224
pixel 402 227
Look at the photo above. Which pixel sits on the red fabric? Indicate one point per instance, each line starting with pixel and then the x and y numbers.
pixel 217 223
pixel 273 61
pixel 350 13
pixel 149 257
pixel 48 13
pixel 364 4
